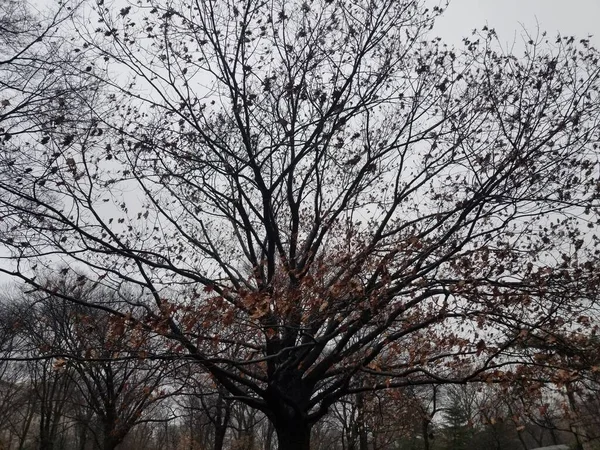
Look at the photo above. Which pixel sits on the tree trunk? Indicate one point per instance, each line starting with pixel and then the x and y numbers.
pixel 111 438
pixel 363 438
pixel 220 432
pixel 425 432
pixel 289 397
pixel 292 434
pixel 46 443
pixel 110 443
pixel 221 421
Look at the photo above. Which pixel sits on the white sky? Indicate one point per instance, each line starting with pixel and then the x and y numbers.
pixel 509 17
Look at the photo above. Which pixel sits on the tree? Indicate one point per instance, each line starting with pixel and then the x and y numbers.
pixel 459 417
pixel 322 200
pixel 395 418
pixel 106 366
pixel 43 88
pixel 207 411
pixel 34 68
pixel 14 393
pixel 47 388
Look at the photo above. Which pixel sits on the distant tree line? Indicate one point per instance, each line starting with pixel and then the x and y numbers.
pixel 74 377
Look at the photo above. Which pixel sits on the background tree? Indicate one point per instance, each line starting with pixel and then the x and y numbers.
pixel 459 417
pixel 14 392
pixel 37 392
pixel 327 201
pixel 108 366
pixel 36 82
pixel 207 411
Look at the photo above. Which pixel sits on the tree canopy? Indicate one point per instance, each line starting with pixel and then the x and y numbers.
pixel 319 198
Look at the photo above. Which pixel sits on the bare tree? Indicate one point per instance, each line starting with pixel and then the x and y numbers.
pixel 14 390
pixel 109 368
pixel 34 87
pixel 322 200
pixel 39 412
pixel 206 408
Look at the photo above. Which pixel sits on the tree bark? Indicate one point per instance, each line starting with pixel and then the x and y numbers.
pixel 425 432
pixel 220 432
pixel 289 397
pixel 46 444
pixel 292 434
pixel 363 438
pixel 110 443
pixel 221 421
pixel 111 438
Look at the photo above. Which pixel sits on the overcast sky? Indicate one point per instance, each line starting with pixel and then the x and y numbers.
pixel 509 17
